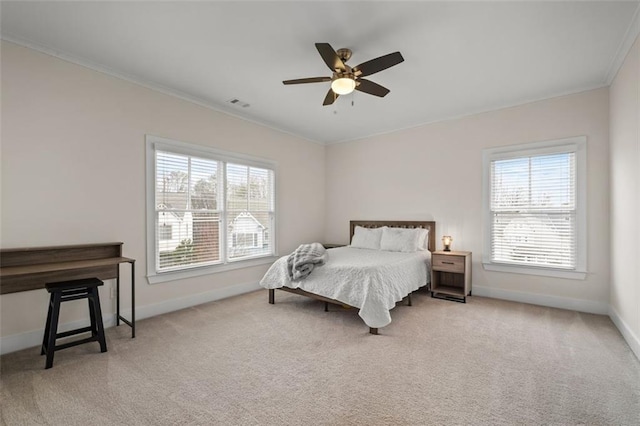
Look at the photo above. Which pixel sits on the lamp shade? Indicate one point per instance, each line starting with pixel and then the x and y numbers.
pixel 343 85
pixel 446 242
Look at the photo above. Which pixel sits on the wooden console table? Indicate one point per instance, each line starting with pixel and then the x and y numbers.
pixel 24 269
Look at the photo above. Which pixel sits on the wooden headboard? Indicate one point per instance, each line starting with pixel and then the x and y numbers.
pixel 431 226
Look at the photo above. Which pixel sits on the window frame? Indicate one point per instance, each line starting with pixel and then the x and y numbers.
pixel 156 143
pixel 577 145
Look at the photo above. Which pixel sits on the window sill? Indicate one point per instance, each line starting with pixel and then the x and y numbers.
pixel 545 272
pixel 207 270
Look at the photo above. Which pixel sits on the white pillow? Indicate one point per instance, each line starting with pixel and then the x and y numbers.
pixel 399 239
pixel 423 238
pixel 367 238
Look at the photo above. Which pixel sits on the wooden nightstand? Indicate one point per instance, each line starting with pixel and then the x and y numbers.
pixel 451 275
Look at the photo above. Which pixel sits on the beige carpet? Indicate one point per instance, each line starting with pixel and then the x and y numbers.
pixel 241 361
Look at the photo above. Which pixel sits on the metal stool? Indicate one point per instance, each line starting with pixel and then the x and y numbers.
pixel 66 291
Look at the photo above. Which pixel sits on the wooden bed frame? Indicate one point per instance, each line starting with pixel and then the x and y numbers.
pixel 430 225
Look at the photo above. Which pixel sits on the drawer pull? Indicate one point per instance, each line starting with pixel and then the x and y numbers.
pixel 448 263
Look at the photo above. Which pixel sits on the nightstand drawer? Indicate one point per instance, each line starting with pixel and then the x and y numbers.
pixel 448 263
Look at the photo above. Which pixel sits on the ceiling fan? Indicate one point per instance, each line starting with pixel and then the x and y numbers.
pixel 346 79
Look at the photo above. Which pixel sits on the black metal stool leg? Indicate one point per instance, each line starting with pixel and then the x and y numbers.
pixel 47 327
pixel 53 329
pixel 97 318
pixel 92 316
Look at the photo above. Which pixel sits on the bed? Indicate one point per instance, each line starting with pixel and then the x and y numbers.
pixel 372 281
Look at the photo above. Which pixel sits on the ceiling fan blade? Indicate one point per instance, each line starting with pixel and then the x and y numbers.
pixel 378 64
pixel 371 88
pixel 307 80
pixel 330 98
pixel 330 57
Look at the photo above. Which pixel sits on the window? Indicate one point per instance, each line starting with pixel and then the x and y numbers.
pixel 208 210
pixel 534 208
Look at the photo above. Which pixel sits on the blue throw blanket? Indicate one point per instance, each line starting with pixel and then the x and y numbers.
pixel 301 262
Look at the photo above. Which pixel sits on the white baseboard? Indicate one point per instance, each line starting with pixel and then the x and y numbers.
pixel 33 338
pixel 566 303
pixel 29 339
pixel 579 305
pixel 632 340
pixel 17 342
pixel 148 311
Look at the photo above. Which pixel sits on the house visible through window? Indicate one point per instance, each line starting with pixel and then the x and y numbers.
pixel 534 208
pixel 209 207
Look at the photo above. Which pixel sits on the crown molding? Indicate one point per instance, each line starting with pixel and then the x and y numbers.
pixel 478 111
pixel 629 38
pixel 142 82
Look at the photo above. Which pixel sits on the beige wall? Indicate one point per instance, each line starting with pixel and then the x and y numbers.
pixel 73 171
pixel 625 197
pixel 435 172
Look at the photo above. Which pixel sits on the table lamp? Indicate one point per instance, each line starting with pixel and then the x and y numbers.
pixel 446 242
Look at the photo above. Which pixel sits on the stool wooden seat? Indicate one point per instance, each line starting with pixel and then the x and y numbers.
pixel 66 291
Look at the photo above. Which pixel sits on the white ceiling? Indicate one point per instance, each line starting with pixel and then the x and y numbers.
pixel 460 57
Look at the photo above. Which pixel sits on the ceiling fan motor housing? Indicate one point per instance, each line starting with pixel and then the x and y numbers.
pixel 344 74
pixel 344 54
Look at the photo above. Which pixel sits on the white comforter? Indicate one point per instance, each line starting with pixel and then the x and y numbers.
pixel 372 280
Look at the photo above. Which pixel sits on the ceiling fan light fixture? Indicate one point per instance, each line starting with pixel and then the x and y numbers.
pixel 343 85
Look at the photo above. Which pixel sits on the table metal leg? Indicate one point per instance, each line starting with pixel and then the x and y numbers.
pixel 118 297
pixel 133 300
pixel 119 317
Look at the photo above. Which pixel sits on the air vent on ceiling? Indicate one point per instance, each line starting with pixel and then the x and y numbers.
pixel 238 103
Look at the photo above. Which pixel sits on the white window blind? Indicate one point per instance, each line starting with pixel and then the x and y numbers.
pixel 250 210
pixel 209 208
pixel 186 201
pixel 533 210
